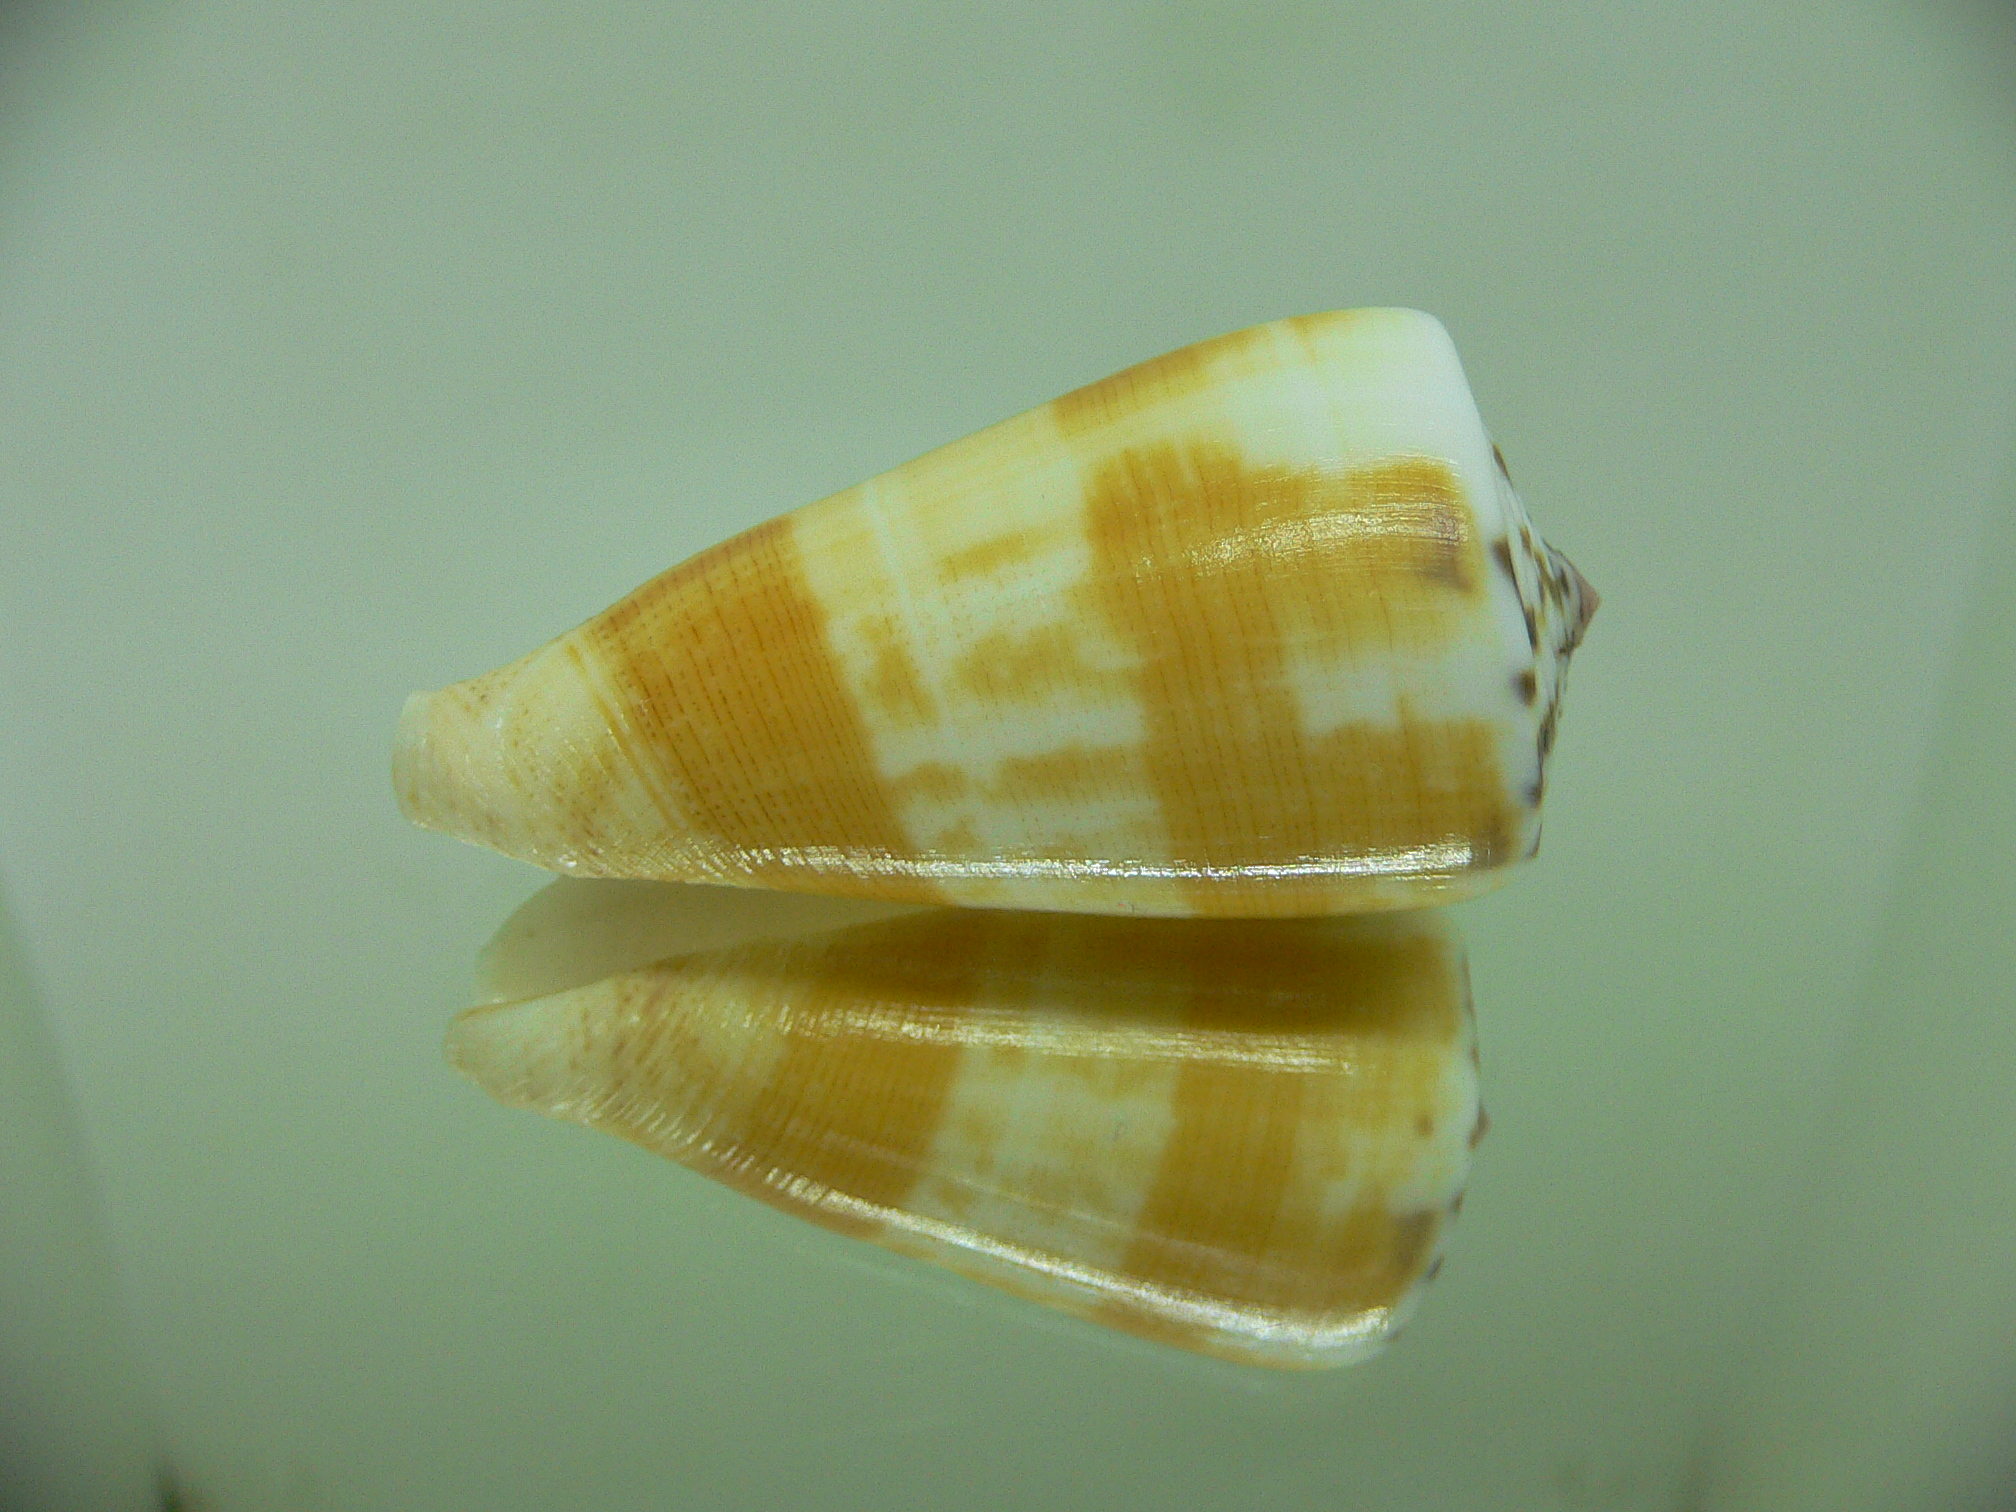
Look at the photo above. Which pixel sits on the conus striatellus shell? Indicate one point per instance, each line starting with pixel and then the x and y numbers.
pixel 1255 636
pixel 1242 1136
pixel 1256 628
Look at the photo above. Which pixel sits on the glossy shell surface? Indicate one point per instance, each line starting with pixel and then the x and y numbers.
pixel 1242 1137
pixel 1256 628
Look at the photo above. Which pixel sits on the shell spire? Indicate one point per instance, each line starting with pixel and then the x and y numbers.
pixel 1255 628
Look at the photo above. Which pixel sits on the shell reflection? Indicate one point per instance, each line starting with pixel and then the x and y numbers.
pixel 1239 1136
pixel 1258 628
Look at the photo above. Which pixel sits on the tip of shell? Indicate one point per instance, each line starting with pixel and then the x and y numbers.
pixel 1583 602
pixel 446 765
pixel 506 1049
pixel 409 755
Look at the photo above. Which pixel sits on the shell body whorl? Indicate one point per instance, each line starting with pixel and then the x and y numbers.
pixel 1255 628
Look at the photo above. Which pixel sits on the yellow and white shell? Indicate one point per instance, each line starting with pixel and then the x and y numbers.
pixel 1256 628
pixel 1242 1136
pixel 1255 636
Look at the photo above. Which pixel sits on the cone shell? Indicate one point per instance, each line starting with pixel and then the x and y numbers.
pixel 1243 1137
pixel 1256 628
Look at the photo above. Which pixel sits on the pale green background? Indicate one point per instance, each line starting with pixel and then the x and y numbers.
pixel 349 348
